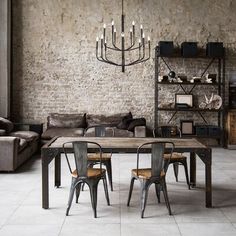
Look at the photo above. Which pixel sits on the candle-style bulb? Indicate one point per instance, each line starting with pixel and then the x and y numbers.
pixel 122 34
pixel 139 40
pixel 102 36
pixel 112 23
pixel 105 41
pixel 133 23
pixel 104 26
pixel 149 38
pixel 115 30
pixel 143 35
pixel 141 26
pixel 130 30
pixel 97 39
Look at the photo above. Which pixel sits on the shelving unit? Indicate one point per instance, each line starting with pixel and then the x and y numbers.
pixel 219 86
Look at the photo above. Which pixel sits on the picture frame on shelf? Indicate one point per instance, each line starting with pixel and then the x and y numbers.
pixel 186 127
pixel 183 100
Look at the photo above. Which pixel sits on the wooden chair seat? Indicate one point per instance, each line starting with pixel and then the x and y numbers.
pixel 175 156
pixel 92 172
pixel 145 173
pixel 96 156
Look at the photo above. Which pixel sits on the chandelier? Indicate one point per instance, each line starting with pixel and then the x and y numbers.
pixel 105 46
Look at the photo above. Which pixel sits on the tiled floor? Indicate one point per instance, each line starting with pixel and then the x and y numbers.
pixel 21 212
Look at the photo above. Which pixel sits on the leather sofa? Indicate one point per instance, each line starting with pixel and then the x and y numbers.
pixel 72 125
pixel 15 146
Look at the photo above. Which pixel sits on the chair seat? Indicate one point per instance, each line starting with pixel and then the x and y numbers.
pixel 92 172
pixel 96 156
pixel 175 156
pixel 145 173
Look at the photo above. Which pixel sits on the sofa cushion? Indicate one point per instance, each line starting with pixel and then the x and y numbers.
pixel 6 125
pixel 112 120
pixel 136 122
pixel 123 133
pixel 66 132
pixel 22 144
pixel 91 132
pixel 2 132
pixel 29 136
pixel 67 120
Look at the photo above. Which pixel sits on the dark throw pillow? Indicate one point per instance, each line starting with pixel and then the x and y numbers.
pixel 7 125
pixel 136 122
pixel 126 120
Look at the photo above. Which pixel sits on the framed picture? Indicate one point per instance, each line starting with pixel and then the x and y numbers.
pixel 183 100
pixel 186 127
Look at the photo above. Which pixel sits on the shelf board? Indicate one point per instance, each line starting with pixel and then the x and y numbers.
pixel 190 109
pixel 188 83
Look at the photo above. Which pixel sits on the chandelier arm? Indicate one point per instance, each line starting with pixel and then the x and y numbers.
pixel 99 58
pixel 114 45
pixel 137 62
pixel 107 60
pixel 142 60
pixel 131 49
pixel 115 49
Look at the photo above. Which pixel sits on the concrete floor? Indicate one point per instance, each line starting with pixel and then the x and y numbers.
pixel 21 212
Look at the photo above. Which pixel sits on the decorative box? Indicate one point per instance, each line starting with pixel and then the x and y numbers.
pixel 189 49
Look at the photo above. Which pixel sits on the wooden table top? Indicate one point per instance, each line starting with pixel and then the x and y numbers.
pixel 127 143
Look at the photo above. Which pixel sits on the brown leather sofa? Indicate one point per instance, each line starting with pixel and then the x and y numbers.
pixel 15 146
pixel 77 124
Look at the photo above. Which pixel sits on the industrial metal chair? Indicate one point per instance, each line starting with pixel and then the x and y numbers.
pixel 85 174
pixel 94 158
pixel 177 158
pixel 154 175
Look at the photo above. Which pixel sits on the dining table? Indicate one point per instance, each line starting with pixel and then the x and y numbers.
pixel 53 149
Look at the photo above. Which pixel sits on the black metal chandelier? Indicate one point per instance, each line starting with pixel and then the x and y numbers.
pixel 103 46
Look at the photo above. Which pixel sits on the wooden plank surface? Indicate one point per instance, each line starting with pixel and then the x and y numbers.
pixel 128 143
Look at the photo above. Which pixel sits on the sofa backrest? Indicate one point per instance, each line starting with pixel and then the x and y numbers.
pixel 66 120
pixel 112 120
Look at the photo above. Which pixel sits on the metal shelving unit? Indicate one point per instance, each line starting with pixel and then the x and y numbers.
pixel 219 85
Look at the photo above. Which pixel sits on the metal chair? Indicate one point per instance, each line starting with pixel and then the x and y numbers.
pixel 154 175
pixel 93 158
pixel 177 158
pixel 85 174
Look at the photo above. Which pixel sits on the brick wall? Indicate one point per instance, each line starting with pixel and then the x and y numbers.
pixel 54 64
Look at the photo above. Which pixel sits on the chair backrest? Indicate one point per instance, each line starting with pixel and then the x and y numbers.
pixel 158 163
pixel 167 131
pixel 102 130
pixel 80 155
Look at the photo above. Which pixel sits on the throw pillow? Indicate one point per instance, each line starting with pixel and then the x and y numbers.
pixel 67 120
pixel 136 122
pixel 126 120
pixel 6 125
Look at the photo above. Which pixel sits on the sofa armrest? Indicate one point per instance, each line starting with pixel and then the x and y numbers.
pixel 8 153
pixel 140 131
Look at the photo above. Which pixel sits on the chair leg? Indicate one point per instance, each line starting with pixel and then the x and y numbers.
pixel 109 172
pixel 106 190
pixel 158 191
pixel 176 170
pixel 93 187
pixel 144 195
pixel 78 188
pixel 166 196
pixel 130 190
pixel 184 162
pixel 72 189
